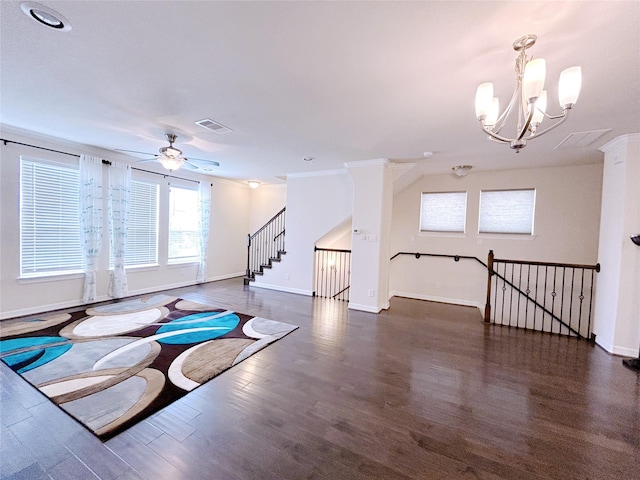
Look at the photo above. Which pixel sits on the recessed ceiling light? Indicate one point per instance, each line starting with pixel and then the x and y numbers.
pixel 46 16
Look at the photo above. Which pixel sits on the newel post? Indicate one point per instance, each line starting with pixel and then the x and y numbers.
pixel 487 307
pixel 248 254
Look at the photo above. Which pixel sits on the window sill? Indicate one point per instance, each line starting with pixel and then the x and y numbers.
pixel 53 277
pixel 443 234
pixel 139 268
pixel 184 263
pixel 507 236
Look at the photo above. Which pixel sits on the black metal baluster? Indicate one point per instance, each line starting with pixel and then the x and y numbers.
pixel 553 296
pixel 544 299
pixel 495 310
pixel 535 305
pixel 520 289
pixel 573 277
pixel 581 298
pixel 591 302
pixel 513 267
pixel 504 289
pixel 562 303
pixel 528 291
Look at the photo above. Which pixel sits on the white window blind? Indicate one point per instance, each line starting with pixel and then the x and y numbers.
pixel 49 219
pixel 184 229
pixel 141 247
pixel 443 212
pixel 507 211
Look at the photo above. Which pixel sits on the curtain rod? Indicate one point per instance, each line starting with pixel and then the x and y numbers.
pixel 106 162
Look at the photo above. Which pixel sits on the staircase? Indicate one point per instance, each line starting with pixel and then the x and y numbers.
pixel 265 247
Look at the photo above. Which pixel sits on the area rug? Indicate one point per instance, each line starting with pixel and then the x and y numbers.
pixel 112 365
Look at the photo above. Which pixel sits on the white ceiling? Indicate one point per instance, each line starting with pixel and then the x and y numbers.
pixel 337 81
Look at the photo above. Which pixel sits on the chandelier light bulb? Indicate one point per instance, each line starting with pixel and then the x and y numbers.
pixel 540 107
pixel 533 82
pixel 484 100
pixel 494 111
pixel 569 86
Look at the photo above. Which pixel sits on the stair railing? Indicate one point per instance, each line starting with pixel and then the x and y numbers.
pixel 333 273
pixel 544 296
pixel 265 246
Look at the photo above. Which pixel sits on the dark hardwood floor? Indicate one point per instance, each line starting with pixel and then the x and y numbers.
pixel 421 391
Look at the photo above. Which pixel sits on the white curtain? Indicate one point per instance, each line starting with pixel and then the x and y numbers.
pixel 90 221
pixel 204 215
pixel 119 206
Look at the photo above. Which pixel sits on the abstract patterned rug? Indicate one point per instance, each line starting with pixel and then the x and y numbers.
pixel 110 366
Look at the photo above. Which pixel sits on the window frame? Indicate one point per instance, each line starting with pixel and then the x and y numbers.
pixel 195 258
pixel 71 204
pixel 128 250
pixel 523 234
pixel 442 231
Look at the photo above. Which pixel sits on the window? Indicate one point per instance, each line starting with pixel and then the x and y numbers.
pixel 184 226
pixel 49 219
pixel 507 211
pixel 443 212
pixel 142 232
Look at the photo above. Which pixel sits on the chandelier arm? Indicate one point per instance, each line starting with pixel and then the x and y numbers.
pixel 564 113
pixel 507 111
pixel 525 127
pixel 494 135
pixel 551 127
pixel 502 142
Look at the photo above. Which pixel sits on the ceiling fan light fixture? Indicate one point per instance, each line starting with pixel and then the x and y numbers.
pixel 170 152
pixel 171 163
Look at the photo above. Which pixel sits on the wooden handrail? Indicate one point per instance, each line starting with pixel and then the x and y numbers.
pixel 267 224
pixel 595 267
pixel 318 249
pixel 441 255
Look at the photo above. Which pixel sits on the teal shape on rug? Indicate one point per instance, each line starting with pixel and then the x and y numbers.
pixel 38 354
pixel 198 327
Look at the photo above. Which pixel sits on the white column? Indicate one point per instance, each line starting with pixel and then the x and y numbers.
pixel 372 209
pixel 617 302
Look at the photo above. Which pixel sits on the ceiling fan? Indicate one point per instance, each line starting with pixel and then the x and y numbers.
pixel 171 158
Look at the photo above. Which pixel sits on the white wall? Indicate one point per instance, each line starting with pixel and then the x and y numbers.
pixel 567 219
pixel 316 203
pixel 372 209
pixel 266 201
pixel 617 312
pixel 226 254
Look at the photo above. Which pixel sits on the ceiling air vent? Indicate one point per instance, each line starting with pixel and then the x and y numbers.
pixel 213 126
pixel 581 139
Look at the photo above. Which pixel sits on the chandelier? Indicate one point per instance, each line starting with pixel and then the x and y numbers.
pixel 529 101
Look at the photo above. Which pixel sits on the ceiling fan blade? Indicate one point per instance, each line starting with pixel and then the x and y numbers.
pixel 135 151
pixel 211 163
pixel 204 165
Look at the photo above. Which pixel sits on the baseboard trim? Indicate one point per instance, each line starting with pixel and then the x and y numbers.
pixel 432 298
pixel 279 288
pixel 105 298
pixel 617 350
pixel 367 308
